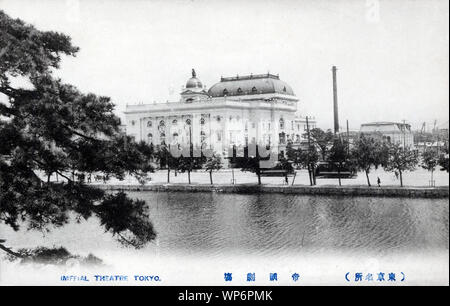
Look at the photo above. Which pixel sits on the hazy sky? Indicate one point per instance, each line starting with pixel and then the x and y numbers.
pixel 392 56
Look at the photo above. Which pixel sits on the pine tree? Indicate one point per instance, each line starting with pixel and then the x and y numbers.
pixel 48 127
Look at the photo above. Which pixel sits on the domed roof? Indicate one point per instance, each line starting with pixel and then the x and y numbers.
pixel 250 85
pixel 193 82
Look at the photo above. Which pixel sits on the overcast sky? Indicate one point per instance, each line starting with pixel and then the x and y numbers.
pixel 392 56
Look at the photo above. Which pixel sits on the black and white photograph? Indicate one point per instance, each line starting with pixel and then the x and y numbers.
pixel 252 143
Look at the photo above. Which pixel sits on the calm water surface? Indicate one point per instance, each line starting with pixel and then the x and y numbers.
pixel 215 224
pixel 201 235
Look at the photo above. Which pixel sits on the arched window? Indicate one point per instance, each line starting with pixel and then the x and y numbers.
pixel 202 121
pixel 225 92
pixel 162 138
pixel 281 123
pixel 254 90
pixel 161 126
pixel 284 88
pixel 282 138
pixel 149 124
pixel 202 136
pixel 150 138
pixel 133 122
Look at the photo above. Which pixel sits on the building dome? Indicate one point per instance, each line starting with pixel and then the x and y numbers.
pixel 193 82
pixel 250 85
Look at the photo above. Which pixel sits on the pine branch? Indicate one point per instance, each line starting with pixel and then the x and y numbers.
pixel 8 250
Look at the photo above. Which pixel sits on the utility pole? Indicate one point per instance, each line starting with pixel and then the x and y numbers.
pixel 190 135
pixel 348 140
pixel 437 139
pixel 335 102
pixel 404 134
pixel 309 152
pixel 422 131
pixel 167 163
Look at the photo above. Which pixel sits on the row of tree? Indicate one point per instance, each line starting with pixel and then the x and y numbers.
pixel 164 157
pixel 365 154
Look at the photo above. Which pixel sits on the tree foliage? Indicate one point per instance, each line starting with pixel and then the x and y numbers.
pixel 339 155
pixel 368 153
pixel 249 160
pixel 430 160
pixel 189 163
pixel 213 163
pixel 400 160
pixel 323 139
pixel 443 160
pixel 53 256
pixel 49 127
pixel 304 158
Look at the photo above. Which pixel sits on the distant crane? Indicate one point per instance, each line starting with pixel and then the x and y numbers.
pixel 422 138
pixel 436 136
pixel 422 129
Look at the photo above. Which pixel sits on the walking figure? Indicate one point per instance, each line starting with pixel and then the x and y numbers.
pixel 286 180
pixel 378 181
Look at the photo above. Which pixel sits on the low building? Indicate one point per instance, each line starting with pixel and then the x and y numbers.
pixel 392 132
pixel 438 146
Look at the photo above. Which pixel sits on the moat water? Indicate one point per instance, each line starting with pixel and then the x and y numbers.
pixel 214 224
pixel 210 230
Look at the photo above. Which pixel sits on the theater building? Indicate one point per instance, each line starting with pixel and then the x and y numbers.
pixel 235 111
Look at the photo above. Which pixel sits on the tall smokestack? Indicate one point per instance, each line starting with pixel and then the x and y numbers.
pixel 335 102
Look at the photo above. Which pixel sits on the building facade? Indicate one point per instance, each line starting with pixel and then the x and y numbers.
pixel 239 110
pixel 392 132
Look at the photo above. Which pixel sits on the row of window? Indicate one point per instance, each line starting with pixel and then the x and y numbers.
pixel 239 91
pixel 282 137
pixel 162 137
pixel 203 121
pixel 174 122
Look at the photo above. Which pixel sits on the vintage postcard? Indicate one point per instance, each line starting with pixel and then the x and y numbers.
pixel 224 143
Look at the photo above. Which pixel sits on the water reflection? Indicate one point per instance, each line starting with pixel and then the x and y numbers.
pixel 272 224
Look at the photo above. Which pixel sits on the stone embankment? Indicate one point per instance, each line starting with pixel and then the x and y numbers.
pixel 387 191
